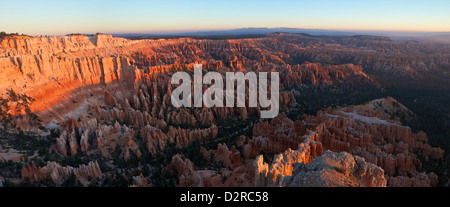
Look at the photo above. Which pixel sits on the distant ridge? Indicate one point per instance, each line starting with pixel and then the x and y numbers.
pixel 426 37
pixel 243 31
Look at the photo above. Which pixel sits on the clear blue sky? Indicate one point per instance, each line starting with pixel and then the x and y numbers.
pixel 52 17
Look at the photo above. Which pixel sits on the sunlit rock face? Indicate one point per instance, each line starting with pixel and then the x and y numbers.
pixel 336 170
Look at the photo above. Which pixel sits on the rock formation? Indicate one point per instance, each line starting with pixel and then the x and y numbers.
pixel 282 164
pixel 336 170
pixel 292 167
pixel 91 135
pixel 157 140
pixel 55 173
pixel 230 158
pixel 354 129
pixel 185 172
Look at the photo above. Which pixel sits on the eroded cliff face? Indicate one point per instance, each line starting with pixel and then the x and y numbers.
pixel 386 143
pixel 33 61
pixel 361 150
pixel 54 69
pixel 110 98
pixel 39 66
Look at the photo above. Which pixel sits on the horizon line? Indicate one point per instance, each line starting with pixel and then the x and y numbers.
pixel 185 32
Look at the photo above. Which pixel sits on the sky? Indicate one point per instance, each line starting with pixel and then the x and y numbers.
pixel 59 17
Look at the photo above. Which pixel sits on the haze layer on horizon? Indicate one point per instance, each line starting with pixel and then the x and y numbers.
pixel 52 17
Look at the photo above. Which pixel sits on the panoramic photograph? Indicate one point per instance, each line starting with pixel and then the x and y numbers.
pixel 281 94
